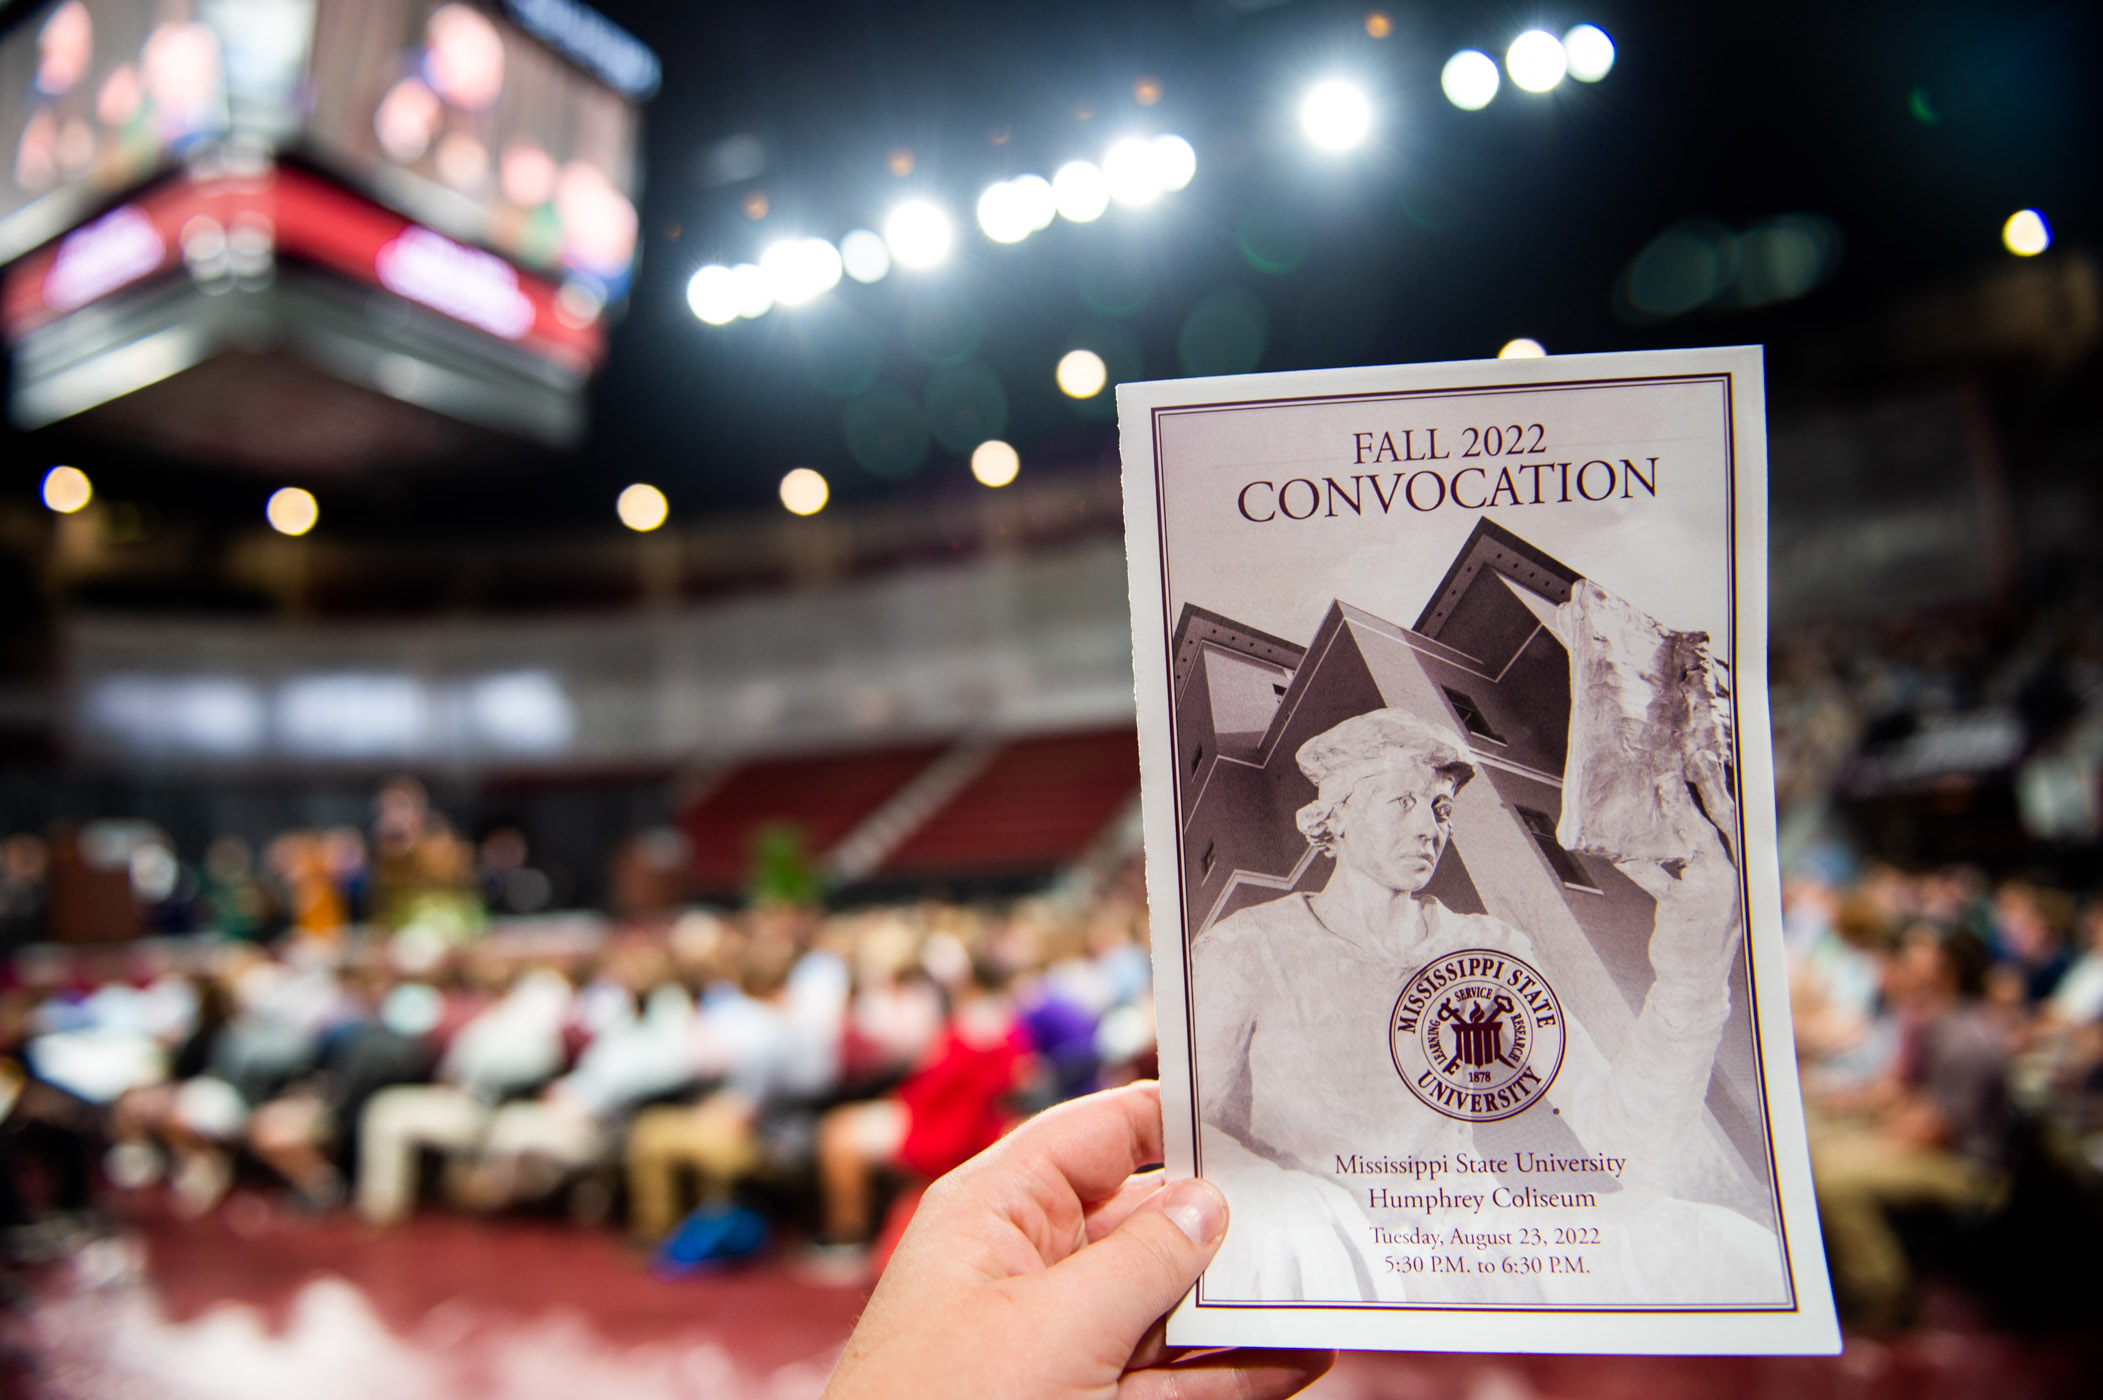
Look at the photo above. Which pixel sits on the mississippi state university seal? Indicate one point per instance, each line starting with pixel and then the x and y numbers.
pixel 1478 1035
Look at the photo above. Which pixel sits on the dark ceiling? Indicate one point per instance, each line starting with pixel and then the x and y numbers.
pixel 1916 128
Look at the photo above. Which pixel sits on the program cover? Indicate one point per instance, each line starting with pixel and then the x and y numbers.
pixel 1459 817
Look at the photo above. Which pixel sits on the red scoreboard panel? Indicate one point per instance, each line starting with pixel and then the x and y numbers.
pixel 315 232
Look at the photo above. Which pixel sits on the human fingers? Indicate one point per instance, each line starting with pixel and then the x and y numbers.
pixel 1023 1203
pixel 1106 1215
pixel 1245 1373
pixel 1114 1289
pixel 1090 1144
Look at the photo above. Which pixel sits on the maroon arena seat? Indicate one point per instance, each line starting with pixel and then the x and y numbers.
pixel 1036 805
pixel 826 796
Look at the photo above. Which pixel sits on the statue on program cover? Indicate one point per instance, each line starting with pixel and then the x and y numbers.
pixel 1368 1015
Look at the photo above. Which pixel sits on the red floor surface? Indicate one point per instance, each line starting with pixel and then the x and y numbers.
pixel 261 1304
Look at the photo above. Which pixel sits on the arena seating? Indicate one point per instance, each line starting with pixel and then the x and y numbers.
pixel 825 796
pixel 1037 804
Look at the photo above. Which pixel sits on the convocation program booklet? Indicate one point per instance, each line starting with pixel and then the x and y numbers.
pixel 1460 844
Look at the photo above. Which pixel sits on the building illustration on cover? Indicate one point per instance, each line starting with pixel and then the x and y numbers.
pixel 1483 661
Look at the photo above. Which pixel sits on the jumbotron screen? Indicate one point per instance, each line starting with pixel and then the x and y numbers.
pixel 100 93
pixel 457 118
pixel 448 112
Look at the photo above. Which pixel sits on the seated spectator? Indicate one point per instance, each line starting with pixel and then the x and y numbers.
pixel 772 1043
pixel 1837 975
pixel 535 1146
pixel 140 1115
pixel 511 1048
pixel 952 1106
pixel 894 1014
pixel 47 1138
pixel 307 1134
pixel 1930 1133
pixel 2029 938
pixel 272 1039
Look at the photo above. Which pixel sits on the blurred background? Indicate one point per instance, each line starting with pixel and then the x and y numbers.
pixel 566 729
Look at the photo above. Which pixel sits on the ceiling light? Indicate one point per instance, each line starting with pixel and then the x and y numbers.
pixel 67 489
pixel 1336 115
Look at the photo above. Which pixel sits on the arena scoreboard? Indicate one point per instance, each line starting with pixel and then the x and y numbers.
pixel 228 224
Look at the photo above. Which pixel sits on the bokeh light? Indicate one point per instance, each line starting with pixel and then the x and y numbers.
pixel 1536 61
pixel 804 491
pixel 1378 24
pixel 1034 192
pixel 1004 214
pixel 1082 374
pixel 292 510
pixel 642 507
pixel 748 285
pixel 1470 80
pixel 865 256
pixel 995 463
pixel 919 233
pixel 712 294
pixel 797 270
pixel 67 489
pixel 1175 163
pixel 1589 52
pixel 1524 348
pixel 1130 173
pixel 1336 115
pixel 2026 234
pixel 1080 191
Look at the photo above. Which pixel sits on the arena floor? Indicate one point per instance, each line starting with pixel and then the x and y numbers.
pixel 260 1303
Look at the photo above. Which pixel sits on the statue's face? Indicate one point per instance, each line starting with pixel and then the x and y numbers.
pixel 1395 825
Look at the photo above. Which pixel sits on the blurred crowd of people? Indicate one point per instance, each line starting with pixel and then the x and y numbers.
pixel 1929 704
pixel 413 870
pixel 1946 1025
pixel 377 1019
pixel 712 1076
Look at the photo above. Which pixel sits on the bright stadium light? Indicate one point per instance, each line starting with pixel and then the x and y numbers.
pixel 995 463
pixel 1175 163
pixel 292 510
pixel 1590 52
pixel 67 489
pixel 1034 193
pixel 748 285
pixel 919 234
pixel 1130 171
pixel 712 294
pixel 1080 191
pixel 1336 115
pixel 865 256
pixel 1524 348
pixel 1004 214
pixel 1536 61
pixel 1470 80
pixel 797 270
pixel 804 491
pixel 2026 234
pixel 642 507
pixel 1082 374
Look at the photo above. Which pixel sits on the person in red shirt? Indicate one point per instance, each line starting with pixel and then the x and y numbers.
pixel 951 1107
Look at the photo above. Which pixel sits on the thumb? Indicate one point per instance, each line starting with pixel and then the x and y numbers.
pixel 1121 1285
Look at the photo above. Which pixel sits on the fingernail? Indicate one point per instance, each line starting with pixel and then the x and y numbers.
pixel 1197 1208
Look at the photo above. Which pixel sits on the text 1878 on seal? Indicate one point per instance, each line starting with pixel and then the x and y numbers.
pixel 1477 1035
